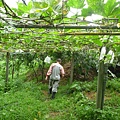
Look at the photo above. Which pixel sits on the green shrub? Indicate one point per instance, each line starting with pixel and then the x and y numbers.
pixel 113 85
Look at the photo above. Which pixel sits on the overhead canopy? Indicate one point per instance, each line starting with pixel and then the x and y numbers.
pixel 35 24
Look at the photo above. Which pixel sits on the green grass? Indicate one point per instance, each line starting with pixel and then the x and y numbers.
pixel 30 101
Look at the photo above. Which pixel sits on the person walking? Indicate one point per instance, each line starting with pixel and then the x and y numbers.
pixel 55 72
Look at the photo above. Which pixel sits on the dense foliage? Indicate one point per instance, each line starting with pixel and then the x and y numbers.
pixel 14 34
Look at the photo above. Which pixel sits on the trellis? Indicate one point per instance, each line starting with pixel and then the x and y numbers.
pixel 102 71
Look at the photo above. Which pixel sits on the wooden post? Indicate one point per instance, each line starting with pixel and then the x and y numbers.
pixel 104 83
pixel 100 85
pixel 7 71
pixel 102 78
pixel 72 69
pixel 43 64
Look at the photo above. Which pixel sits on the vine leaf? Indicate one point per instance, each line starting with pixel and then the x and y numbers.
pixel 96 6
pixel 86 12
pixel 109 7
pixel 98 42
pixel 76 3
pixel 23 8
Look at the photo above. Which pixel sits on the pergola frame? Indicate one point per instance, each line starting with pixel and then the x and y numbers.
pixel 111 30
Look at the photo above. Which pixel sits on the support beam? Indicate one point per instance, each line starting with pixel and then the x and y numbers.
pixel 90 33
pixel 66 33
pixel 65 26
